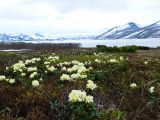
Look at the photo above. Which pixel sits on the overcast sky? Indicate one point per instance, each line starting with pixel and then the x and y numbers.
pixel 74 16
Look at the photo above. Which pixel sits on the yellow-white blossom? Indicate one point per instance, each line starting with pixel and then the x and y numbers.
pixel 133 85
pixel 121 58
pixel 64 68
pixel 23 74
pixel 151 89
pixel 83 76
pixel 89 99
pixel 91 85
pixel 113 61
pixel 32 69
pixel 35 83
pixel 52 68
pixel 32 75
pixel 80 96
pixel 97 61
pixel 2 77
pixel 65 77
pixel 75 76
pixel 82 69
pixel 146 62
pixel 11 81
pixel 77 96
pixel 47 63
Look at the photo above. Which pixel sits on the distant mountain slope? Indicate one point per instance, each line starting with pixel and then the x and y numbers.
pixel 38 36
pixel 150 31
pixel 132 31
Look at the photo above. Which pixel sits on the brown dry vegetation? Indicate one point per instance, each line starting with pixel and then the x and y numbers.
pixel 114 99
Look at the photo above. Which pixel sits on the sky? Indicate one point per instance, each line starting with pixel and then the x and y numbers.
pixel 74 16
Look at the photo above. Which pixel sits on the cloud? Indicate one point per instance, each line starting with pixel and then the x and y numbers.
pixel 74 15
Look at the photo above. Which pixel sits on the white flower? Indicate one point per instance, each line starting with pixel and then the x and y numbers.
pixel 121 58
pixel 64 69
pixel 133 85
pixel 69 70
pixel 75 68
pixel 95 54
pixel 80 64
pixel 91 85
pixel 23 74
pixel 145 62
pixel 65 77
pixel 52 68
pixel 32 69
pixel 18 66
pixel 90 68
pixel 89 99
pixel 7 68
pixel 32 75
pixel 97 61
pixel 113 61
pixel 2 77
pixel 77 96
pixel 82 69
pixel 75 76
pixel 75 62
pixel 151 89
pixel 83 76
pixel 35 83
pixel 41 79
pixel 11 81
pixel 80 96
pixel 47 63
pixel 7 80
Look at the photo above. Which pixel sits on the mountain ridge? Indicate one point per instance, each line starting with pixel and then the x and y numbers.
pixel 134 31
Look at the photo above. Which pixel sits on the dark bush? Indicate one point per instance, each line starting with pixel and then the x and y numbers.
pixel 143 48
pixel 129 49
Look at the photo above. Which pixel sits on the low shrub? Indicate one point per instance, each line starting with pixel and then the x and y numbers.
pixel 126 49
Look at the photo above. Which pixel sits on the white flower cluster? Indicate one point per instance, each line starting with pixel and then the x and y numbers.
pixel 77 71
pixel 99 54
pixel 91 85
pixel 18 66
pixel 80 96
pixel 32 75
pixel 65 77
pixel 2 77
pixel 121 58
pixel 113 61
pixel 50 68
pixel 146 62
pixel 32 69
pixel 97 61
pixel 151 89
pixel 32 61
pixel 52 58
pixel 35 83
pixel 9 80
pixel 133 85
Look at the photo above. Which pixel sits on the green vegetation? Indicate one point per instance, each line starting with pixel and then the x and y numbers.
pixel 80 84
pixel 125 49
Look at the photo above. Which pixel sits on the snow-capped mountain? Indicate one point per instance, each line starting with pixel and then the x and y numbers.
pixel 132 31
pixel 150 31
pixel 15 36
pixel 120 31
pixel 38 36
